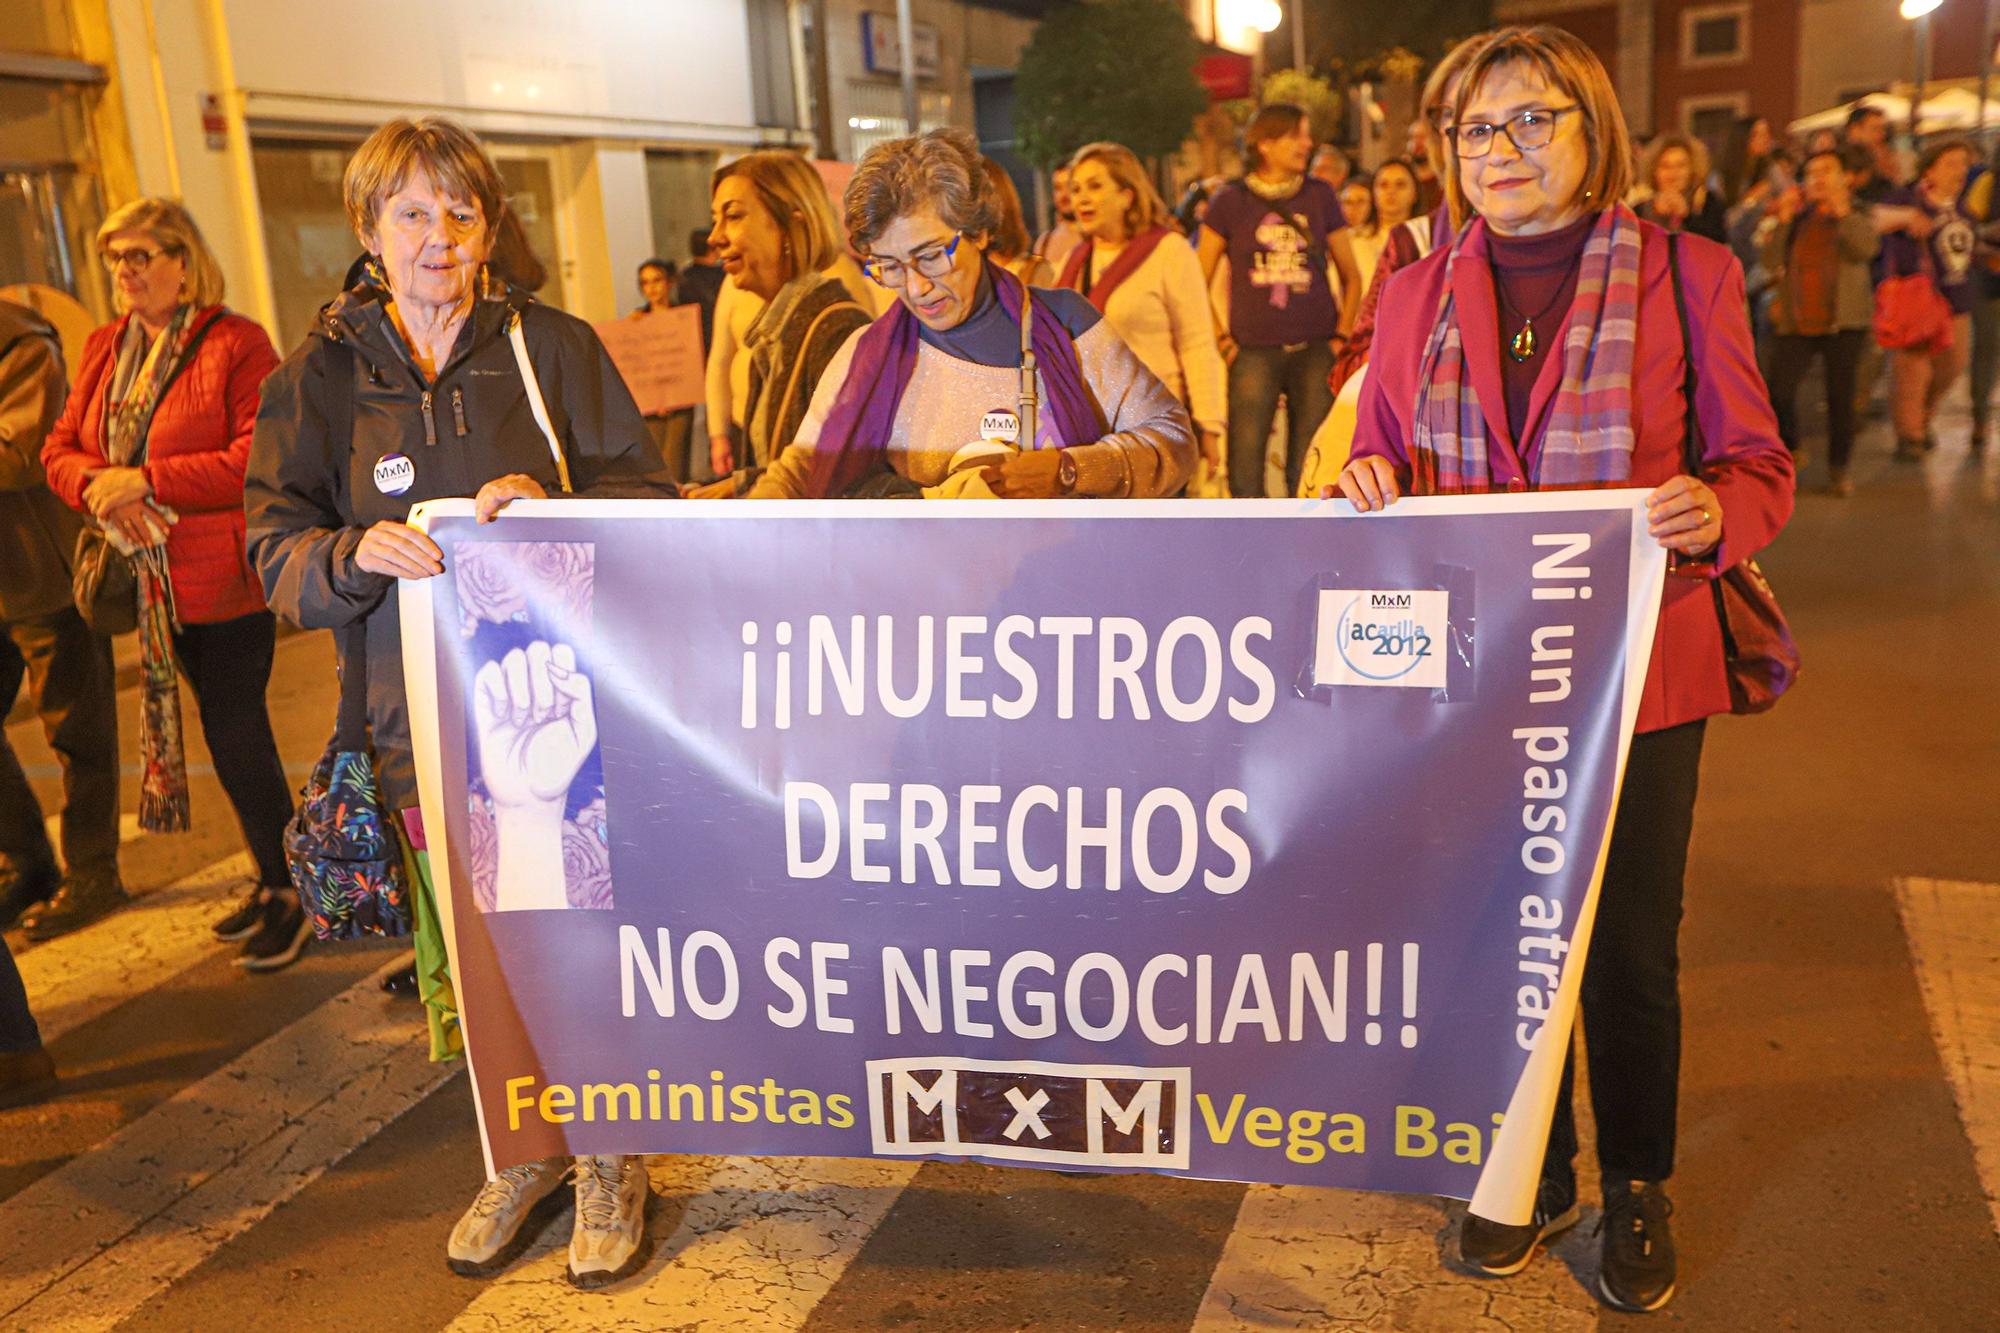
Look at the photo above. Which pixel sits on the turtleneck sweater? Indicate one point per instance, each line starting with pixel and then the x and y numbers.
pixel 1534 277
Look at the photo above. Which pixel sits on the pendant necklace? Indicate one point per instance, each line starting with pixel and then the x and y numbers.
pixel 1524 344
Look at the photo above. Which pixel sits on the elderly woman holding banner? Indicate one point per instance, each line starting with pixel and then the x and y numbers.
pixel 408 389
pixel 1544 349
pixel 973 385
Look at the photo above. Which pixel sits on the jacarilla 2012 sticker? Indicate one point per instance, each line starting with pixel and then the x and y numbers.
pixel 1381 636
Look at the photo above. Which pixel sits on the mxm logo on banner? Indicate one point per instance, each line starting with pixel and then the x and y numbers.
pixel 1216 838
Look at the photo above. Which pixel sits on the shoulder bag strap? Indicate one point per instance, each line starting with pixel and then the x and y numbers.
pixel 1691 436
pixel 541 409
pixel 1030 396
pixel 805 354
pixel 350 727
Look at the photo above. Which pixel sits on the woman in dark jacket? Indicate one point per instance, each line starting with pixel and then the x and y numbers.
pixel 1553 312
pixel 1673 189
pixel 408 390
pixel 152 445
pixel 775 232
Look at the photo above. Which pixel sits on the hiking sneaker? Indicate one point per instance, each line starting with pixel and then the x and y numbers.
pixel 280 937
pixel 1499 1250
pixel 1637 1272
pixel 26 886
pixel 494 1230
pixel 242 922
pixel 81 900
pixel 611 1195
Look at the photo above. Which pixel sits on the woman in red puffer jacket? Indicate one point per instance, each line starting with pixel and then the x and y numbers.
pixel 153 441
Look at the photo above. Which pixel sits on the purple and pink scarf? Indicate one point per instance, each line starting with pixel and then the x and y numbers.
pixel 855 436
pixel 1588 439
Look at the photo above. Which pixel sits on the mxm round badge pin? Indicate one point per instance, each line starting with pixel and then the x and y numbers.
pixel 394 474
pixel 1000 424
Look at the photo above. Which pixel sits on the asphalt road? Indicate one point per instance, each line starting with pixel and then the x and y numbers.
pixel 1827 1180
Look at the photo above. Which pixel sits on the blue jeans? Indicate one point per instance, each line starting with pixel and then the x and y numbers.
pixel 1257 379
pixel 17 1026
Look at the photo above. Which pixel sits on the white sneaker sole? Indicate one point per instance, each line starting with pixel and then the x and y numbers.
pixel 283 958
pixel 1604 1294
pixel 1555 1226
pixel 591 1279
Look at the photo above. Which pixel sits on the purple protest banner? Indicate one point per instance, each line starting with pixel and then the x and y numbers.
pixel 1233 839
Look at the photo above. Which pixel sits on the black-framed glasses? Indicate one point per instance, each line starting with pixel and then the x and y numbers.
pixel 135 257
pixel 933 263
pixel 1526 130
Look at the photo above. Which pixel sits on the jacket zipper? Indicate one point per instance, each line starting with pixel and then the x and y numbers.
pixel 430 421
pixel 458 410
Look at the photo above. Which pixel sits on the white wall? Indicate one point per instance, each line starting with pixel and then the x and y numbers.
pixel 601 78
pixel 967 37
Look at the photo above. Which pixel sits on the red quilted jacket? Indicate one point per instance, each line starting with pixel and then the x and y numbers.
pixel 195 454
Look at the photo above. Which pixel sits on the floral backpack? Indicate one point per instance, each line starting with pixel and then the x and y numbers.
pixel 344 855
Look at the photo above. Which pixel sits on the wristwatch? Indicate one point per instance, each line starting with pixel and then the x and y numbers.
pixel 1066 472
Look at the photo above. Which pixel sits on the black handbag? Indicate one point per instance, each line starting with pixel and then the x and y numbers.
pixel 103 584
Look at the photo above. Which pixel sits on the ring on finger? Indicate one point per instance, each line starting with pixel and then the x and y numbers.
pixel 1706 519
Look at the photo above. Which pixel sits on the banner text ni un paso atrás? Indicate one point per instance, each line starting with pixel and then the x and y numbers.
pixel 1225 839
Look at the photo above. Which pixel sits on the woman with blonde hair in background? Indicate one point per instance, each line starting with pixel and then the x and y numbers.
pixel 1673 189
pixel 152 445
pixel 776 235
pixel 1149 291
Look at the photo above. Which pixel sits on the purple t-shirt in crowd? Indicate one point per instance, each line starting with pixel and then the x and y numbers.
pixel 1278 291
pixel 1951 245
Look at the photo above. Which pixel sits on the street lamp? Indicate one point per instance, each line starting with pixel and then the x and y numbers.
pixel 1919 13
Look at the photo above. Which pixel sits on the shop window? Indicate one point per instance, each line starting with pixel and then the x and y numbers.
pixel 875 115
pixel 677 184
pixel 306 235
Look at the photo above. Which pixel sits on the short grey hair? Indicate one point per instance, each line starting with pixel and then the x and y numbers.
pixel 939 170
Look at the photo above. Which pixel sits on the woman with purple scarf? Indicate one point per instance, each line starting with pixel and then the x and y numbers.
pixel 1544 349
pixel 943 395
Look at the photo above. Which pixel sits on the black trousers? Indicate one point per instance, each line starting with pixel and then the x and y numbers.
pixel 1791 356
pixel 17 1026
pixel 228 664
pixel 70 680
pixel 1631 981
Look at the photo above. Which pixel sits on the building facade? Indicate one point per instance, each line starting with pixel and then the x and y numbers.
pixel 606 118
pixel 1696 65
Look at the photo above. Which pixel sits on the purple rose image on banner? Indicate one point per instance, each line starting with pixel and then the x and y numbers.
pixel 526 609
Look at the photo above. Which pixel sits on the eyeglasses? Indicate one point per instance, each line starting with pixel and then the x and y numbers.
pixel 1526 130
pixel 137 258
pixel 932 263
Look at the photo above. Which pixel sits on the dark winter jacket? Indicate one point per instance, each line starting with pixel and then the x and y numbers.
pixel 37 531
pixel 310 497
pixel 195 450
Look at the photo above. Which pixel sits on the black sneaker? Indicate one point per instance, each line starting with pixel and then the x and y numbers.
pixel 81 900
pixel 1498 1250
pixel 26 886
pixel 280 936
pixel 242 923
pixel 1638 1269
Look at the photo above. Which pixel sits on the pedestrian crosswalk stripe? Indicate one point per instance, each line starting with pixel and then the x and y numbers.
pixel 1953 927
pixel 760 1243
pixel 92 1241
pixel 90 972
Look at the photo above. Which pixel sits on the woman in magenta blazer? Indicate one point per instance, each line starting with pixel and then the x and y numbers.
pixel 1543 350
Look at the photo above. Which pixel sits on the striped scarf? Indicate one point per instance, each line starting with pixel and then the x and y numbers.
pixel 1588 439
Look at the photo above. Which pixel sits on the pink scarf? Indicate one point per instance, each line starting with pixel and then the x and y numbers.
pixel 1588 439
